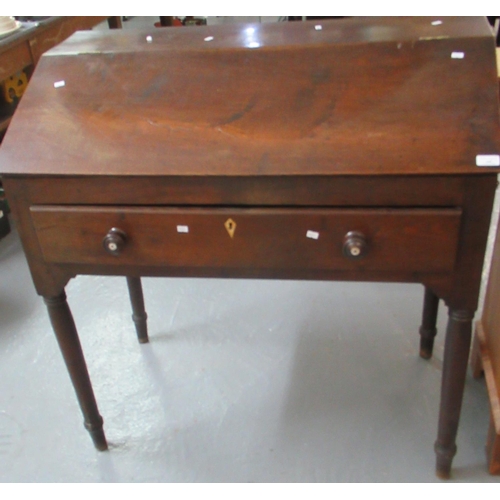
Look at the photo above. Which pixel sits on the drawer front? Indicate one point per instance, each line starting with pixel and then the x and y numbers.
pixel 417 240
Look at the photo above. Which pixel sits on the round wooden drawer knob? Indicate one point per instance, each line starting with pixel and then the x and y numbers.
pixel 114 242
pixel 355 245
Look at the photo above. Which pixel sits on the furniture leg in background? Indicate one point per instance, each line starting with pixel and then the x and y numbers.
pixel 139 315
pixel 115 22
pixel 166 20
pixel 428 329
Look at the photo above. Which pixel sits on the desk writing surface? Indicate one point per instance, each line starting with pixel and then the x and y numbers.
pixel 376 96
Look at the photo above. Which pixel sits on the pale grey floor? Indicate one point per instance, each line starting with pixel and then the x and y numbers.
pixel 259 381
pixel 243 381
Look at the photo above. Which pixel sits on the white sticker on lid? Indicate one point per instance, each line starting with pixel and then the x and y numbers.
pixel 312 234
pixel 488 160
pixel 183 229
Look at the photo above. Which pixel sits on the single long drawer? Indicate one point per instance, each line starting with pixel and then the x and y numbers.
pixel 418 240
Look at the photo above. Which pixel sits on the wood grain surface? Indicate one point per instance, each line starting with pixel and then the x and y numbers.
pixel 376 96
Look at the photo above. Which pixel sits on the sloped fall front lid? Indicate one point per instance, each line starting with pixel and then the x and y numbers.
pixel 340 97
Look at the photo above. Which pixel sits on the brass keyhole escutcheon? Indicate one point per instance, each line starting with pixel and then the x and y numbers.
pixel 230 226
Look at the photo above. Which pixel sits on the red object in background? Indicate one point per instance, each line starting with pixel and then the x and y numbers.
pixel 187 21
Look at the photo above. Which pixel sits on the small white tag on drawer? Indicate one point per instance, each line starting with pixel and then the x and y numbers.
pixel 312 234
pixel 457 55
pixel 488 160
pixel 59 84
pixel 183 229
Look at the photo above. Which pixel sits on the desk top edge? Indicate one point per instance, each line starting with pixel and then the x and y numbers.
pixel 349 31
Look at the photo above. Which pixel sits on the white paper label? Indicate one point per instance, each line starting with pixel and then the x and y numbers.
pixel 457 55
pixel 183 229
pixel 312 234
pixel 208 38
pixel 61 83
pixel 488 160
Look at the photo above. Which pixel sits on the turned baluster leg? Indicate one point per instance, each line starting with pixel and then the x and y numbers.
pixel 138 310
pixel 456 355
pixel 69 343
pixel 428 329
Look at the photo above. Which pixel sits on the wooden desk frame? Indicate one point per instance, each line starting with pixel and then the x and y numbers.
pixel 459 289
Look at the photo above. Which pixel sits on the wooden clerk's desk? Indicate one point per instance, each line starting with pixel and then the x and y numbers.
pixel 342 152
